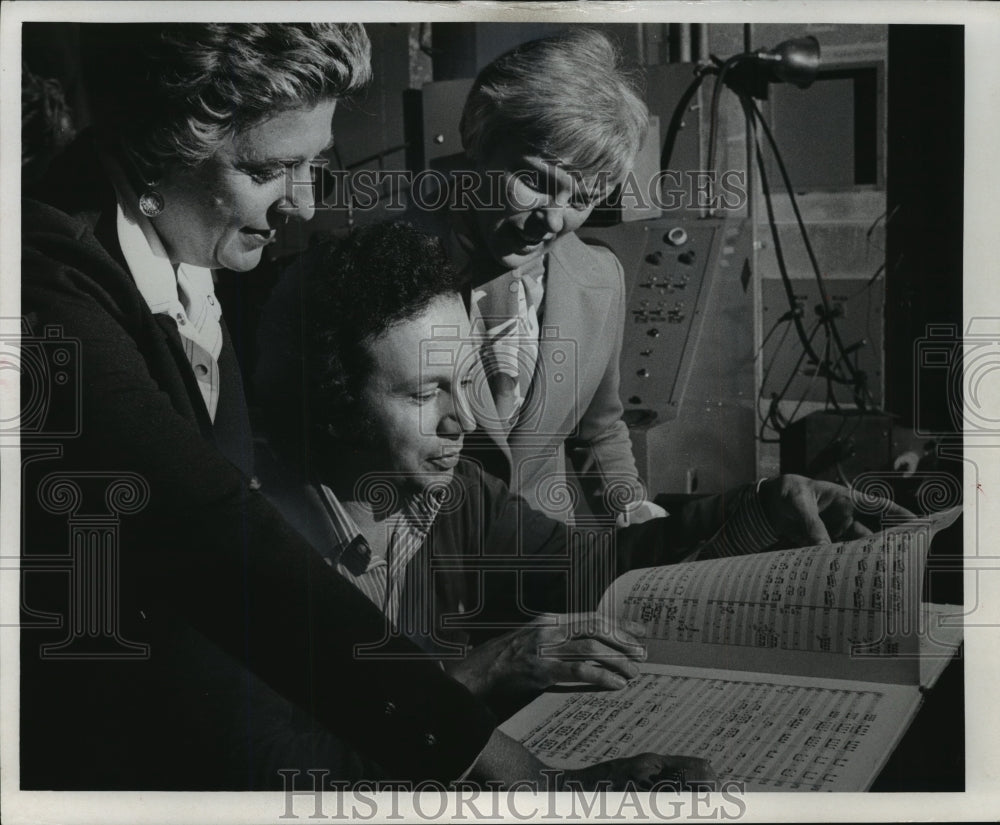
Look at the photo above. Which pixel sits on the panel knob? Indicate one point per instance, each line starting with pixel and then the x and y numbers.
pixel 676 236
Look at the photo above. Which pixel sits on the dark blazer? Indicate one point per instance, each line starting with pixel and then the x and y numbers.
pixel 227 598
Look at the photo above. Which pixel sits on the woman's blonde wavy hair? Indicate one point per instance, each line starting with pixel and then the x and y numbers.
pixel 566 97
pixel 174 93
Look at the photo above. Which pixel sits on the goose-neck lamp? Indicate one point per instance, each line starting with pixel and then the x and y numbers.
pixel 794 61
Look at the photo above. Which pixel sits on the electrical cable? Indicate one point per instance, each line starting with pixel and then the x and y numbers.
pixel 674 128
pixel 831 396
pixel 795 370
pixel 774 328
pixel 868 284
pixel 805 393
pixel 761 417
pixel 857 380
pixel 779 251
pixel 774 357
pixel 713 123
pixel 886 216
pixel 830 369
pixel 765 423
pixel 834 331
pixel 774 414
pixel 805 238
pixel 770 366
pixel 795 312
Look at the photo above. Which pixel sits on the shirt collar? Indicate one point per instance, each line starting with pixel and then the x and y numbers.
pixel 466 252
pixel 345 529
pixel 147 260
pixel 417 514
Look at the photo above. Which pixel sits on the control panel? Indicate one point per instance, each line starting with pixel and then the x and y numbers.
pixel 669 267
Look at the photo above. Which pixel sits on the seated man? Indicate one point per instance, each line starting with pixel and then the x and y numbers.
pixel 368 380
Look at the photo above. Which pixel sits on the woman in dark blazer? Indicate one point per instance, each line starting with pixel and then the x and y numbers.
pixel 203 140
pixel 176 632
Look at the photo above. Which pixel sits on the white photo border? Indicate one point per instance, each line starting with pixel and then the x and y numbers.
pixel 981 800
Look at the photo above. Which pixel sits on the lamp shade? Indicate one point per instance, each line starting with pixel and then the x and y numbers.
pixel 795 61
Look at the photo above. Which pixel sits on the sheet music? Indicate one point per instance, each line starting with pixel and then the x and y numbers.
pixel 771 732
pixel 855 600
pixel 940 639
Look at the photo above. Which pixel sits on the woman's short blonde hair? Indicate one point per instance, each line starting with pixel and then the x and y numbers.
pixel 173 93
pixel 566 97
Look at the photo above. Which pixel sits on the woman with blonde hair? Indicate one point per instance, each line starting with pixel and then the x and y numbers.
pixel 558 123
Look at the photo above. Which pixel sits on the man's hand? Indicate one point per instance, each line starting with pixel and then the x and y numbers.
pixel 644 772
pixel 580 647
pixel 806 511
pixel 506 761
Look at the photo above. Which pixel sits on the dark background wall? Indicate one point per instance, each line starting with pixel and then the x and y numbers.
pixel 925 199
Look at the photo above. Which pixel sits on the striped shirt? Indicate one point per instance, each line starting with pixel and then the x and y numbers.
pixel 381 579
pixel 745 530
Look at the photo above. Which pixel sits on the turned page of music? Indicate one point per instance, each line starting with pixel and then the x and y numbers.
pixel 849 610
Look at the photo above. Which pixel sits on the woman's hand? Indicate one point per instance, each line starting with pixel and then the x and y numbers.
pixel 645 771
pixel 578 647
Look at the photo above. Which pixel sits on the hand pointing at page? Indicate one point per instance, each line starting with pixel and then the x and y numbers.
pixel 806 511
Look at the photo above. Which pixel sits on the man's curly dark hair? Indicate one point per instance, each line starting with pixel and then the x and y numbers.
pixel 313 357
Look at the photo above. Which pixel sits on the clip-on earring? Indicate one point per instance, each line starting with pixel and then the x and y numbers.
pixel 151 202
